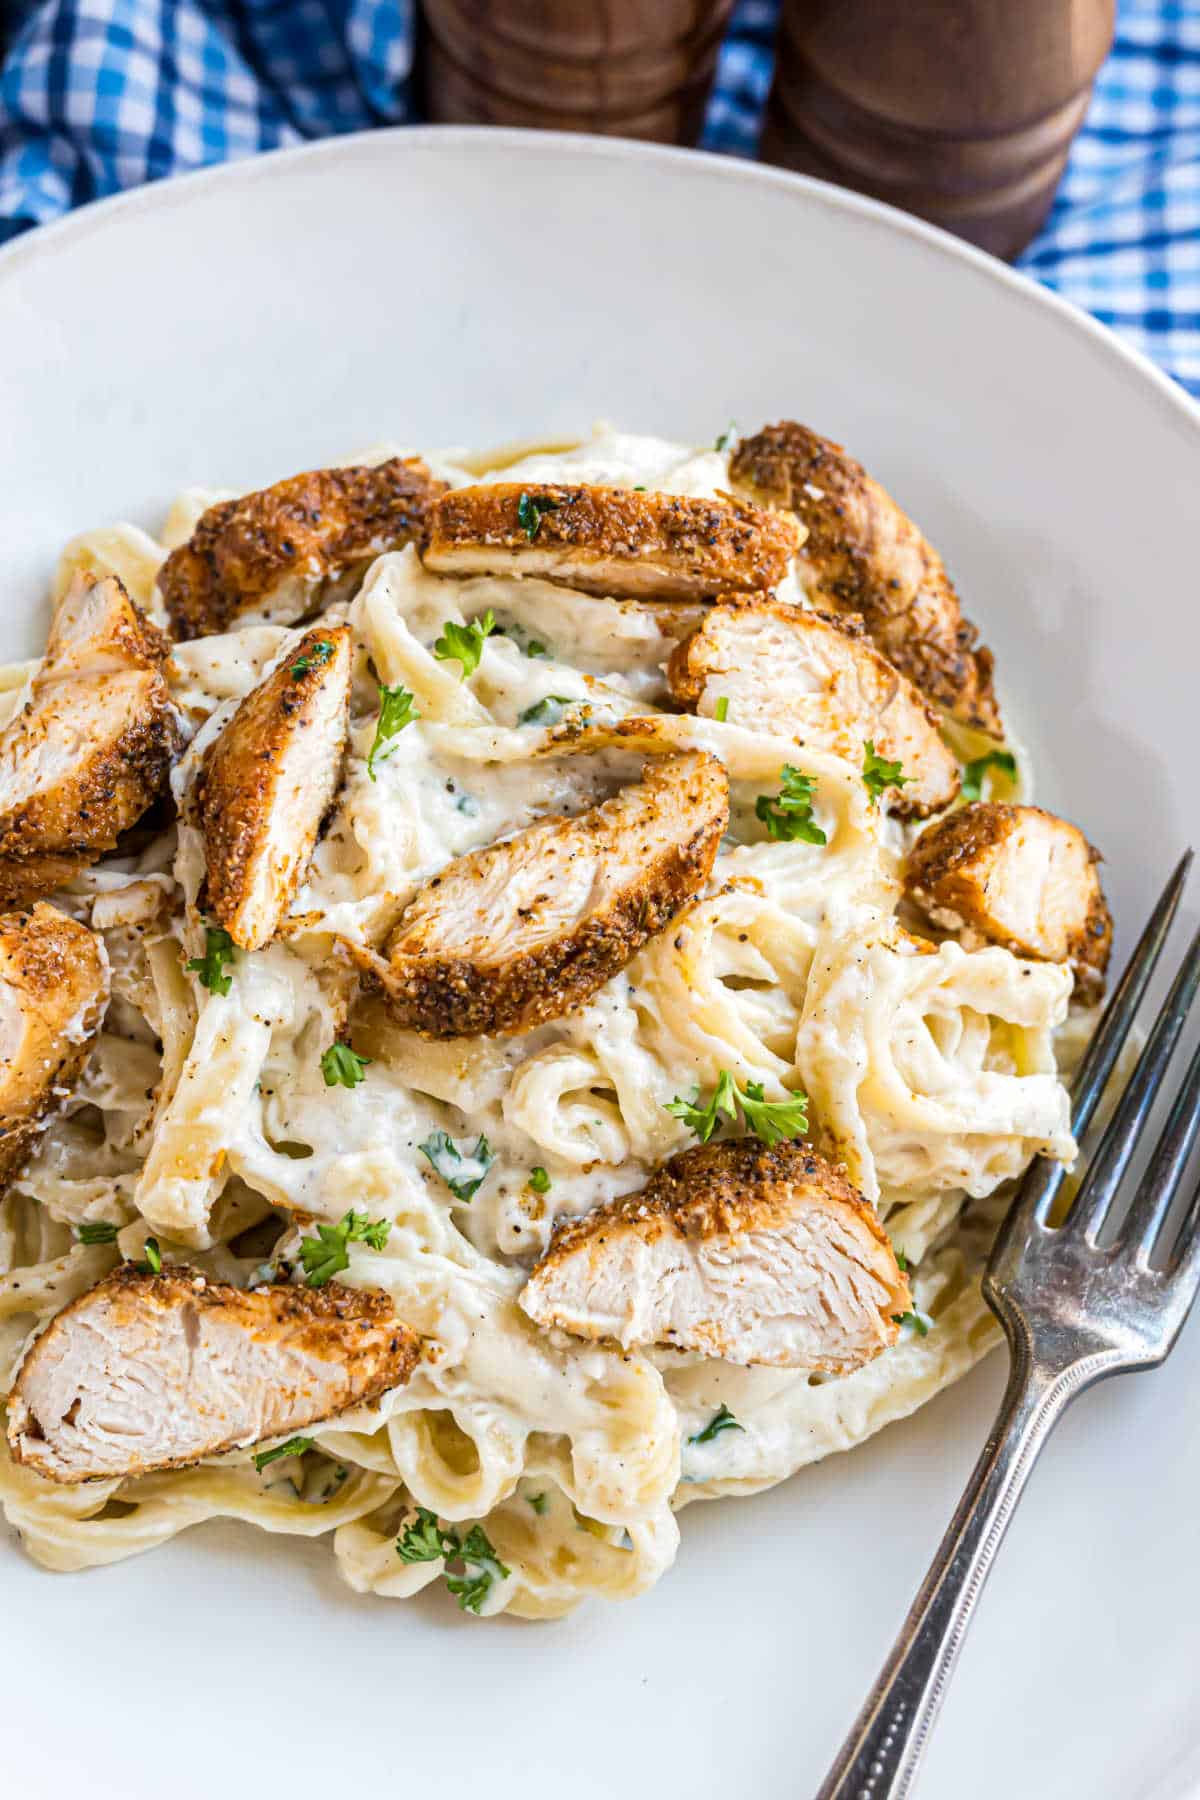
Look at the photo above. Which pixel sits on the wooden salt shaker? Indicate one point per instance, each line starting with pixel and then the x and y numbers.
pixel 961 111
pixel 625 68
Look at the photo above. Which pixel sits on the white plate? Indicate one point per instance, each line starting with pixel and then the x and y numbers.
pixel 437 286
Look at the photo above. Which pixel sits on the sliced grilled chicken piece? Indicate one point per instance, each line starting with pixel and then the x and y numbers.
pixel 863 555
pixel 267 782
pixel 282 552
pixel 53 991
pixel 819 680
pixel 92 747
pixel 611 540
pixel 151 1372
pixel 750 1254
pixel 1016 876
pixel 511 936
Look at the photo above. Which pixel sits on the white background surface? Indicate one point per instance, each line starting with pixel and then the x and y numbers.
pixel 433 287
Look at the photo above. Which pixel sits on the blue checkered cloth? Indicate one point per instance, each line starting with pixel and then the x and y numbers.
pixel 99 95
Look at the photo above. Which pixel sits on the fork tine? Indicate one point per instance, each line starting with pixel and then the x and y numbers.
pixel 1115 1148
pixel 1160 1183
pixel 1091 1078
pixel 1185 1255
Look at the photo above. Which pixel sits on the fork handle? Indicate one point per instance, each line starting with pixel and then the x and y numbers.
pixel 880 1757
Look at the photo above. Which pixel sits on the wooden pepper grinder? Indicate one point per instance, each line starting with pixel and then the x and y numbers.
pixel 961 111
pixel 626 68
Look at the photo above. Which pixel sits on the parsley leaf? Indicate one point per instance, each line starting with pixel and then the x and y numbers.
pixel 535 647
pixel 539 1502
pixel 320 653
pixel 343 1067
pixel 326 1255
pixel 974 772
pixel 464 643
pixel 703 1120
pixel 921 1322
pixel 878 773
pixel 546 711
pixel 720 1421
pixel 530 513
pixel 774 1121
pixel 788 814
pixel 456 1170
pixel 902 1262
pixel 218 950
pixel 153 1262
pixel 395 712
pixel 539 1181
pixel 771 1120
pixel 424 1540
pixel 295 1446
pixel 478 1553
pixel 96 1231
pixel 721 711
pixel 727 436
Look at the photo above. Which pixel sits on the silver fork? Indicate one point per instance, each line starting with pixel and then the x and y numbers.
pixel 1073 1311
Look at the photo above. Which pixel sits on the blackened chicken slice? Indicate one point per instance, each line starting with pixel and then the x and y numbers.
pixel 739 1251
pixel 611 540
pixel 279 554
pixel 511 936
pixel 863 555
pixel 148 1371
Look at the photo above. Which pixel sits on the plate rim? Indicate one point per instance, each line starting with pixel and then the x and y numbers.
pixel 174 190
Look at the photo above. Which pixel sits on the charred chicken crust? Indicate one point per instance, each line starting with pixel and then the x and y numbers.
pixel 863 555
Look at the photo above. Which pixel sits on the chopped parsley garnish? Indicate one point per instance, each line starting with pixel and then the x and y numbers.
pixel 902 1262
pixel 483 1567
pixel 787 815
pixel 395 712
pixel 546 711
pixel 720 1421
pixel 153 1263
pixel 774 1121
pixel 771 1120
pixel 722 708
pixel 727 436
pixel 343 1067
pixel 464 643
pixel 426 1541
pixel 539 1502
pixel 921 1322
pixel 535 647
pixel 295 1446
pixel 97 1231
pixel 320 653
pixel 326 1255
pixel 463 1175
pixel 974 772
pixel 218 950
pixel 530 513
pixel 878 773
pixel 539 1181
